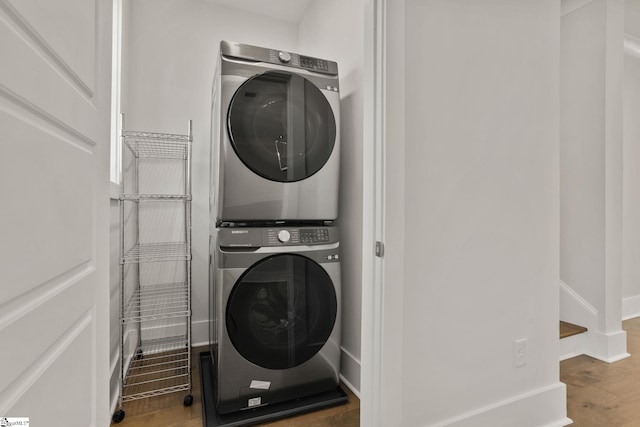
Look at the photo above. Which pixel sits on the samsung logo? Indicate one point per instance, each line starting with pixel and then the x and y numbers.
pixel 239 231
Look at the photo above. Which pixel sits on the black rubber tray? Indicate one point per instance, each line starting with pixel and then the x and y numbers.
pixel 263 414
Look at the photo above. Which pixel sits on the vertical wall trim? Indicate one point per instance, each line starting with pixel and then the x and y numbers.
pixel 370 374
pixel 614 66
pixel 116 88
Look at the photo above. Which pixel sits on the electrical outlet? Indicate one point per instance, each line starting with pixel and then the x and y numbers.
pixel 520 352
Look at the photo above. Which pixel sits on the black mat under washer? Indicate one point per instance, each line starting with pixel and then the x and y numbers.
pixel 263 414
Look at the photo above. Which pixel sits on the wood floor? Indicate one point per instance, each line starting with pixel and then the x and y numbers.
pixel 600 394
pixel 168 410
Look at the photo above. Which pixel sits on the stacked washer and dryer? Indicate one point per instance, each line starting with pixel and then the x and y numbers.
pixel 275 253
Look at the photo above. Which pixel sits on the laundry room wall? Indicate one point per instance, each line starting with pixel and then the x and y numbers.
pixel 631 165
pixel 167 75
pixel 341 38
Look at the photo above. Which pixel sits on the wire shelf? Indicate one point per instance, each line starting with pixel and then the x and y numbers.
pixel 156 302
pixel 156 252
pixel 158 145
pixel 155 197
pixel 164 344
pixel 152 374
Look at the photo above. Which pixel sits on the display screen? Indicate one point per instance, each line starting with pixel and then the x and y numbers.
pixel 314 236
pixel 314 63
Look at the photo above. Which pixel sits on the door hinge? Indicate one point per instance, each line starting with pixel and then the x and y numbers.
pixel 379 249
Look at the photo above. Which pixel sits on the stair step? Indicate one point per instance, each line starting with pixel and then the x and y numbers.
pixel 569 329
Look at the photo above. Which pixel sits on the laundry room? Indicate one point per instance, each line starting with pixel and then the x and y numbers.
pixel 470 187
pixel 169 51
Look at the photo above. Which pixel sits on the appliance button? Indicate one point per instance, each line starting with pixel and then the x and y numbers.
pixel 284 56
pixel 284 236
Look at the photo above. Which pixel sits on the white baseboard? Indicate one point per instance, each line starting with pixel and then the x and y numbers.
pixel 350 371
pixel 574 345
pixel 115 382
pixel 130 344
pixel 630 307
pixel 522 410
pixel 609 347
pixel 199 333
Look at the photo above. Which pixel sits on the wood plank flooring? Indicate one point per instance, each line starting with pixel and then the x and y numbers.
pixel 169 411
pixel 600 394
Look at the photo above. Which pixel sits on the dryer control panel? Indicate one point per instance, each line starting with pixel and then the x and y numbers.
pixel 289 59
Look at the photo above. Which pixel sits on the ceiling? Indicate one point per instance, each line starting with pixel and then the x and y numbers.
pixel 285 10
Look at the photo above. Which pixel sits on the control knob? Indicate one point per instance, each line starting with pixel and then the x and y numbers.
pixel 284 56
pixel 284 236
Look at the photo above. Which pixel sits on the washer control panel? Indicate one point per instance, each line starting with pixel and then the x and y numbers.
pixel 255 237
pixel 300 61
pixel 298 236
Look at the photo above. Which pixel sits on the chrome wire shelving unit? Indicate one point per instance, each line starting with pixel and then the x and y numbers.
pixel 155 312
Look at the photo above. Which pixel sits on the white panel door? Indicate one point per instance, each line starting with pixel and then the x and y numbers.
pixel 54 203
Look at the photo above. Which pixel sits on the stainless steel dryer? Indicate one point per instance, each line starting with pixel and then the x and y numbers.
pixel 275 303
pixel 275 136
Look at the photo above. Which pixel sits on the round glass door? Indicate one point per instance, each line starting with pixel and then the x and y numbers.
pixel 281 311
pixel 281 126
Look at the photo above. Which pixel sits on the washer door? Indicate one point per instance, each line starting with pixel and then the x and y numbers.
pixel 281 126
pixel 281 311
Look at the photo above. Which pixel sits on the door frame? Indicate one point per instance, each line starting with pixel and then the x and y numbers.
pixel 373 202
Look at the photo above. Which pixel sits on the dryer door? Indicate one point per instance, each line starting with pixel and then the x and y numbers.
pixel 281 311
pixel 281 126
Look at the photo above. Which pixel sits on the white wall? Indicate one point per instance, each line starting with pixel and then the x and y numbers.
pixel 591 173
pixel 341 38
pixel 474 251
pixel 172 51
pixel 631 165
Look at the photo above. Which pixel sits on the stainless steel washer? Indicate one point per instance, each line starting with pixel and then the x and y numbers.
pixel 275 136
pixel 275 307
